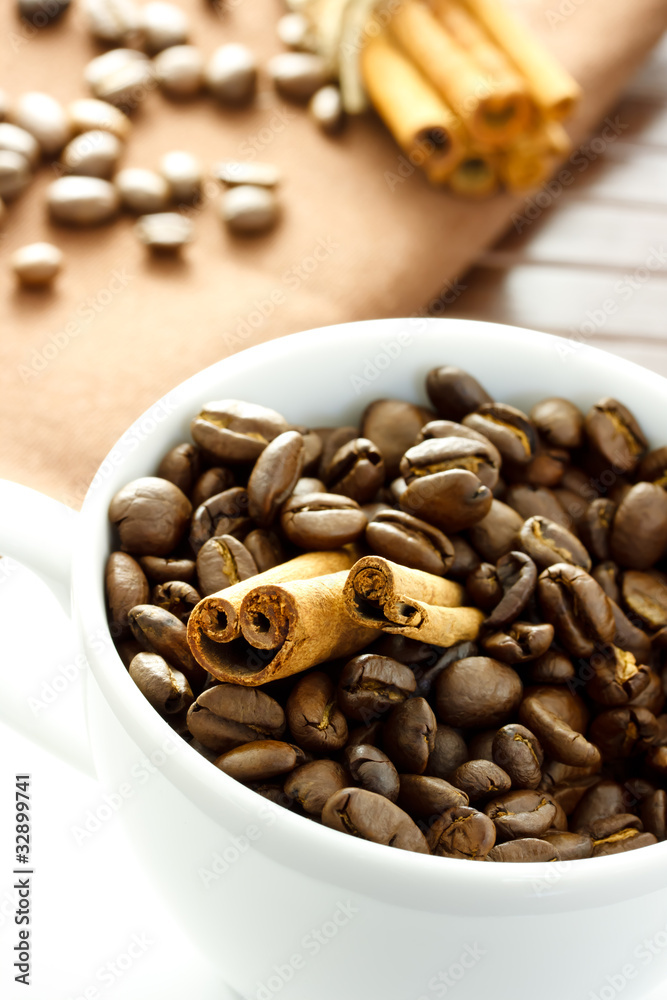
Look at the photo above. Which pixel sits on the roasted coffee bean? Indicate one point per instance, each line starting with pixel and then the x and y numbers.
pixel 370 685
pixel 480 746
pixel 210 483
pixel 392 425
pixel 181 467
pixel 232 431
pixel 616 435
pixel 480 779
pixel 427 797
pixel 127 649
pixel 462 832
pixel 409 735
pixel 298 75
pixel 497 533
pixel 654 813
pixel 180 71
pixel 249 209
pixel 356 470
pixel 517 575
pixel 311 785
pixel 525 849
pixel 645 595
pixel 160 632
pixel 466 559
pixel 570 846
pixel 399 647
pixel 427 673
pixel 265 548
pixel 617 677
pixel 653 696
pixel 451 500
pixel 175 596
pixel 656 760
pixel 630 638
pixel 558 739
pixel 261 760
pixel 408 540
pixel 622 732
pixel 231 74
pixel 274 476
pixel 151 515
pixel 574 506
pixel 607 826
pixel 639 532
pixel 549 544
pixel 223 561
pixel 373 817
pixel 449 429
pixel 183 173
pixel 563 703
pixel 126 586
pixel 372 769
pixel 551 667
pixel 577 607
pixel 619 843
pixel 37 264
pixel 314 719
pixel 544 471
pixel 308 484
pixel 454 392
pixel 533 501
pixel 449 752
pixel 332 439
pixel 163 686
pixel 160 570
pixel 608 575
pixel 370 735
pixel 440 454
pixel 477 691
pixel 524 813
pixel 653 467
pixel 518 752
pixel 484 588
pixel 569 795
pixel 559 422
pixel 519 642
pixel 597 527
pixel 224 514
pixel 322 520
pixel 507 428
pixel 82 201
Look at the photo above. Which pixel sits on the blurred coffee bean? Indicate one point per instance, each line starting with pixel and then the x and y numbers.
pixel 518 752
pixel 524 813
pixel 163 686
pixel 160 570
pixel 265 548
pixel 517 575
pixel 372 769
pixel 441 454
pixel 180 71
pixel 183 173
pixel 466 559
pixel 45 118
pixel 645 595
pixel 298 75
pixel 248 209
pixel 332 439
pixel 356 470
pixel 410 541
pixel 126 586
pixel 15 174
pixel 497 533
pixel 570 846
pixel 150 515
pixel 41 13
pixel 260 760
pixel 314 719
pixel 230 715
pixel 619 843
pixel 653 466
pixel 322 520
pixel 112 21
pixel 181 466
pixel 552 667
pixel 175 596
pixel 608 575
pixel 519 642
pixel 364 814
pixel 37 264
pixel 556 736
pixel 621 732
pixel 454 393
pixel 629 637
pixel 312 784
pixel 507 428
pixel 326 108
pixel 426 797
pixel 92 154
pixel 162 25
pixel 477 691
pixel 88 114
pixel 370 685
pixel 639 531
pixel 82 201
pixel 462 832
pixel 654 813
pixel 224 514
pixel 652 696
pixel 544 471
pixel 231 74
pixel 409 735
pixel 392 425
pixel 231 173
pixel 559 421
pixel 548 543
pixel 164 231
pixel 160 632
pixel 370 735
pixel 480 745
pixel 525 849
pixel 575 604
pixel 597 527
pixel 451 500
pixel 142 191
pixel 274 476
pixel 614 432
pixel 532 501
pixel 210 483
pixel 480 779
pixel 308 484
pixel 484 588
pixel 449 752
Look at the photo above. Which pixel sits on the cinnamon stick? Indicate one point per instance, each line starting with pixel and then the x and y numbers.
pixel 409 602
pixel 475 176
pixel 287 628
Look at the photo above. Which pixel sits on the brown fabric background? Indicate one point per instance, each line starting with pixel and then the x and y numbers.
pixel 127 327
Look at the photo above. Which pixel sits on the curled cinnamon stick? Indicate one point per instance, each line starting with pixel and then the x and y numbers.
pixel 475 176
pixel 286 628
pixel 409 602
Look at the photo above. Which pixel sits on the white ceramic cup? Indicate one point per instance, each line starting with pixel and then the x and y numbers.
pixel 285 907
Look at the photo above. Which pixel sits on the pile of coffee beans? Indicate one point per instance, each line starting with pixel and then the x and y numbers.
pixel 545 739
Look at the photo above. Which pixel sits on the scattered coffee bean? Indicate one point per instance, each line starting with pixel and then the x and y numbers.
pixel 127 84
pixel 558 738
pixel 559 421
pixel 183 173
pixel 326 108
pixel 298 75
pixel 45 119
pixel 37 264
pixel 507 428
pixel 570 846
pixel 497 533
pixel 160 632
pixel 524 813
pixel 449 752
pixel 163 25
pixel 224 514
pixel 92 154
pixel 167 231
pixel 41 13
pixel 82 201
pixel 164 570
pixel 231 74
pixel 428 797
pixel 408 540
pixel 274 476
pixel 16 140
pixel 113 21
pixel 451 500
pixel 265 548
pixel 88 115
pixel 548 543
pixel 575 604
pixel 373 817
pixel 639 529
pixel 180 71
pixel 210 483
pixel 15 174
pixel 516 573
pixel 234 431
pixel 248 209
pixel 233 173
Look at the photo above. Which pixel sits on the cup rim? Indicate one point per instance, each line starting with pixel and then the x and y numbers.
pixel 296 841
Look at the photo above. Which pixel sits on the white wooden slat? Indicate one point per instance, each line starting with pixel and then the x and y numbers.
pixel 647 122
pixel 649 83
pixel 631 174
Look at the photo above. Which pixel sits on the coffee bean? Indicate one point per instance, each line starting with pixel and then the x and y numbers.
pixel 552 667
pixel 311 785
pixel 89 115
pixel 451 500
pixel 180 466
pixel 232 173
pixel 231 74
pixel 480 779
pixel 298 75
pixel 265 548
pixel 645 594
pixel 440 454
pixel 616 435
pixel 249 209
pixel 223 514
pixel 409 735
pixel 639 530
pixel 427 797
pixel 166 688
pixel 449 752
pixel 519 642
pixel 163 570
pixel 356 470
pixel 370 735
pixel 98 69
pixel 653 466
pixel 577 607
pixel 534 501
pixel 92 154
pixel 232 431
pixel 559 422
pixel 37 264
pixel 142 191
pixel 480 745
pixel 183 173
pixel 260 760
pixel 160 632
pixel 517 750
pixel 17 140
pixel 530 849
pixel 364 814
pixel 607 826
pixel 372 769
pixel 497 533
pixel 477 691
pixel 454 393
pixel 558 739
pixel 370 685
pixel 150 515
pixel 127 85
pixel 654 814
pixel 564 703
pixel 462 832
pixel 164 231
pixel 223 561
pixel 484 588
pixel 180 71
pixel 570 846
pixel 112 21
pixel 82 201
pixel 40 13
pixel 507 428
pixel 619 843
pixel 163 25
pixel 410 541
pixel 516 573
pixel 314 719
pixel 548 543
pixel 524 813
pixel 15 174
pixel 294 31
pixel 274 476
pixel 45 119
pixel 617 677
pixel 326 108
pixel 210 483
pixel 608 575
pixel 622 732
pixel 229 715
pixel 177 597
pixel 126 586
pixel 652 696
pixel 322 520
